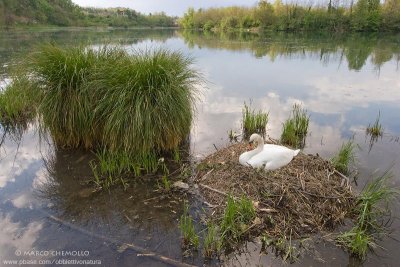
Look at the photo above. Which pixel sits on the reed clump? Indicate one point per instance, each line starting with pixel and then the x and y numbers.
pixel 295 128
pixel 190 237
pixel 253 121
pixel 128 108
pixel 372 211
pixel 19 101
pixel 345 157
pixel 376 129
pixel 237 217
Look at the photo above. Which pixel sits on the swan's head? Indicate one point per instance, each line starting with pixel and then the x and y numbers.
pixel 255 138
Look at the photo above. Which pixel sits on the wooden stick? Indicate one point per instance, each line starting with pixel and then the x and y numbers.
pixel 141 251
pixel 343 176
pixel 215 190
pixel 205 175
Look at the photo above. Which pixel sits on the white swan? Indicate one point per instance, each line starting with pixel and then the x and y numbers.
pixel 272 156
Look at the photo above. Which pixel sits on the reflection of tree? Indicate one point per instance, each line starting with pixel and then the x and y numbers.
pixel 356 48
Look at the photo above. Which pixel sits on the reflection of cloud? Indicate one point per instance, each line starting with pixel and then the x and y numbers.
pixel 18 158
pixel 339 93
pixel 4 83
pixel 23 200
pixel 14 236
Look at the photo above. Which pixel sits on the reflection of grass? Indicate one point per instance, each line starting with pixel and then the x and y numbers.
pixel 253 122
pixel 371 209
pixel 344 157
pixel 375 130
pixel 295 127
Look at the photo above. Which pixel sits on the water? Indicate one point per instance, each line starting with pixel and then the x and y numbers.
pixel 342 81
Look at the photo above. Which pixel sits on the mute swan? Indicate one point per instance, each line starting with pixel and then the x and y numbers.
pixel 272 156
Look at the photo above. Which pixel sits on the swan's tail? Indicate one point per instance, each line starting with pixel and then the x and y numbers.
pixel 296 152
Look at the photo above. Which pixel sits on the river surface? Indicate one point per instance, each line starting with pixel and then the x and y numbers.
pixel 344 82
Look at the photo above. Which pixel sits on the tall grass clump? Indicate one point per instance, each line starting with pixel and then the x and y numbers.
pixel 237 216
pixel 190 238
pixel 344 157
pixel 375 130
pixel 19 101
pixel 212 242
pixel 253 121
pixel 295 128
pixel 146 102
pixel 128 108
pixel 372 209
pixel 67 107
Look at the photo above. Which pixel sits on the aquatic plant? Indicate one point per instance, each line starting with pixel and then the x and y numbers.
pixel 295 128
pixel 212 242
pixel 253 121
pixel 190 238
pixel 372 208
pixel 237 216
pixel 344 157
pixel 19 101
pixel 166 184
pixel 68 106
pixel 132 107
pixel 375 130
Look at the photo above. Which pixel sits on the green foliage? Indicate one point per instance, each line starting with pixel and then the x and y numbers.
pixel 371 209
pixel 66 13
pixel 19 101
pixel 375 130
pixel 295 128
pixel 237 216
pixel 128 108
pixel 212 242
pixel 366 15
pixel 190 238
pixel 344 157
pixel 253 122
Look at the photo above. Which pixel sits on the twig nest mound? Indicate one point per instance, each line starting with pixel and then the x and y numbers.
pixel 306 196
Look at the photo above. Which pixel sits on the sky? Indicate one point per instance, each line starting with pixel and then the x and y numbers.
pixel 171 7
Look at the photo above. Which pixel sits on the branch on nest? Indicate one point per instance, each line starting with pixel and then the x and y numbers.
pixel 345 178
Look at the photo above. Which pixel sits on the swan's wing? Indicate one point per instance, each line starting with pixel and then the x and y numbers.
pixel 272 157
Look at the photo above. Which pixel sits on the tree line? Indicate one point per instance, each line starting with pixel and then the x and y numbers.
pixel 335 15
pixel 66 13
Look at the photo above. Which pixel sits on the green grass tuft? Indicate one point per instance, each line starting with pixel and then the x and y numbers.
pixel 128 108
pixel 19 101
pixel 190 238
pixel 295 128
pixel 344 157
pixel 212 241
pixel 372 208
pixel 237 216
pixel 375 130
pixel 253 122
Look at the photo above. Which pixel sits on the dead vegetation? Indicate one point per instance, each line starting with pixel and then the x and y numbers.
pixel 307 196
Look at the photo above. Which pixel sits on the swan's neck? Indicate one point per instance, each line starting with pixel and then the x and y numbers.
pixel 260 146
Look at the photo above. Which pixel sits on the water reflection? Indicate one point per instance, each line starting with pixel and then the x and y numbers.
pixel 355 49
pixel 342 81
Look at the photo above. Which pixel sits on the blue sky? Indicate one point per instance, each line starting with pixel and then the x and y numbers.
pixel 171 7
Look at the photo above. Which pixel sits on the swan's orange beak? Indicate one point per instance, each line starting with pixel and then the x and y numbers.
pixel 250 146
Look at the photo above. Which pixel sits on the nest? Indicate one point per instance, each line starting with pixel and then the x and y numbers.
pixel 306 196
